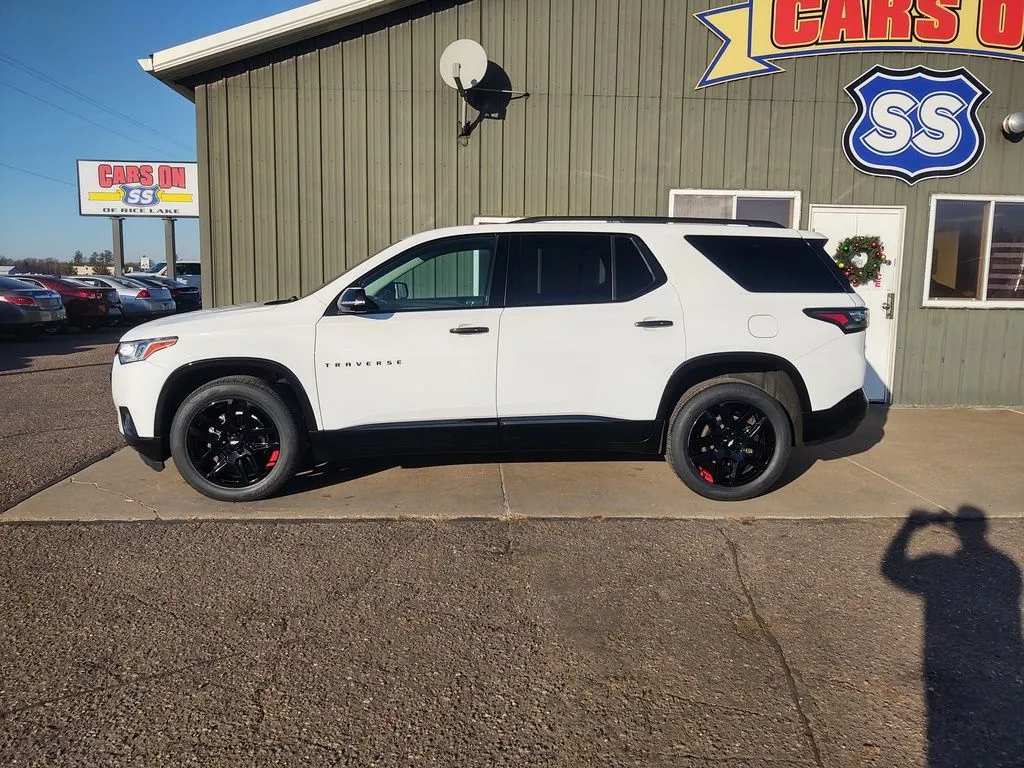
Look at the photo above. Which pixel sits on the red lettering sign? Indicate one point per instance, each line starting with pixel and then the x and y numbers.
pixel 1001 23
pixel 843 21
pixel 889 19
pixel 171 176
pixel 789 28
pixel 938 22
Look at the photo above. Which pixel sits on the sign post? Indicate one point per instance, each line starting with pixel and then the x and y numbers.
pixel 118 233
pixel 120 189
pixel 169 248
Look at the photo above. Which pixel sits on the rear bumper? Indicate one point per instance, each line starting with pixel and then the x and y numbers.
pixel 841 420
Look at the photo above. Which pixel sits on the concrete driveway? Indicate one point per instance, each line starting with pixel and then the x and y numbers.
pixel 518 641
pixel 901 458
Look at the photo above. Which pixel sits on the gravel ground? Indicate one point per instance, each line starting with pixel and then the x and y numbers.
pixel 523 643
pixel 57 413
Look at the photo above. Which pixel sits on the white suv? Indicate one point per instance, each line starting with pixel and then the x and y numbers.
pixel 720 344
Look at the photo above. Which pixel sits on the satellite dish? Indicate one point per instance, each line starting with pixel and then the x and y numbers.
pixel 466 60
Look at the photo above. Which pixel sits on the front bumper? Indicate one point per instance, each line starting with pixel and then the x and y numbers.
pixel 150 449
pixel 841 420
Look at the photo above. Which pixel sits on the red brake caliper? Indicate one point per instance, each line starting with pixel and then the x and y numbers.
pixel 273 459
pixel 707 476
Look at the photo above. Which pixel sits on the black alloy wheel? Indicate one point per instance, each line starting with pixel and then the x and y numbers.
pixel 729 440
pixel 233 443
pixel 237 439
pixel 731 443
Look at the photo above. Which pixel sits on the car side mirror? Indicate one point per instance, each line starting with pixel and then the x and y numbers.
pixel 353 301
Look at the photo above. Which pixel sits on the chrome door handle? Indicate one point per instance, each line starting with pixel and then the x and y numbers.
pixel 653 324
pixel 467 329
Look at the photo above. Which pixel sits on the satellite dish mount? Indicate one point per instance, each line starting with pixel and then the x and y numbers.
pixel 464 66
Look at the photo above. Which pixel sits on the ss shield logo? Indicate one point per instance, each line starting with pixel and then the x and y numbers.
pixel 915 123
pixel 145 196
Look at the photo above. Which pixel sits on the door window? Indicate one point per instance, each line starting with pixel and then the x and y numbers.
pixel 569 268
pixel 453 274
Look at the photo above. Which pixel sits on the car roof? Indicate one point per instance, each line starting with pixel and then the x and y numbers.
pixel 638 225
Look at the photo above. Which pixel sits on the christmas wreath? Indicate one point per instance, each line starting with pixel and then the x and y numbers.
pixel 861 258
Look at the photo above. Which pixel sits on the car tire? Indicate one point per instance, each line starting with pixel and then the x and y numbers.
pixel 737 459
pixel 270 408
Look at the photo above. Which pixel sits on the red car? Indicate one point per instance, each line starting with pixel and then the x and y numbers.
pixel 87 307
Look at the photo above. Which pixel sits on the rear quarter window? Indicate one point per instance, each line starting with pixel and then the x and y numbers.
pixel 773 264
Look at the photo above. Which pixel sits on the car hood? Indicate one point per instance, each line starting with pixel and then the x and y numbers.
pixel 169 326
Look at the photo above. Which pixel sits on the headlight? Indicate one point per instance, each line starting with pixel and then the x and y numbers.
pixel 133 351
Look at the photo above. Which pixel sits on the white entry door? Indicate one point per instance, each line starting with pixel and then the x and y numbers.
pixel 838 222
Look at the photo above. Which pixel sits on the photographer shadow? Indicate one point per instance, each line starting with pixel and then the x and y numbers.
pixel 973 671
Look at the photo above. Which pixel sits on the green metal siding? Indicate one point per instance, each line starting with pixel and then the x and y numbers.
pixel 316 159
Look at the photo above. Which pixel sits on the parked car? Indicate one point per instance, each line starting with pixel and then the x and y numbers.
pixel 87 306
pixel 720 344
pixel 138 300
pixel 27 309
pixel 188 272
pixel 186 297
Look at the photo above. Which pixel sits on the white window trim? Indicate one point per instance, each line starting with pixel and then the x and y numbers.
pixel 792 194
pixel 986 249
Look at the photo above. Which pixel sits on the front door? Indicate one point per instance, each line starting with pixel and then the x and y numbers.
pixel 838 222
pixel 420 364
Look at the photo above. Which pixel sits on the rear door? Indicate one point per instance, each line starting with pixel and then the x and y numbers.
pixel 590 335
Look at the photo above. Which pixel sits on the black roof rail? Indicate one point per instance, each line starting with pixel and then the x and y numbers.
pixel 651 220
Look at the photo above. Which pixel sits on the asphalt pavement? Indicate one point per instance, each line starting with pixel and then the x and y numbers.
pixel 511 643
pixel 55 413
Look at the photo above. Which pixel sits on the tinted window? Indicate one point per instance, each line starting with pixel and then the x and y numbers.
pixel 453 274
pixel 560 269
pixel 12 284
pixel 633 275
pixel 773 264
pixel 565 268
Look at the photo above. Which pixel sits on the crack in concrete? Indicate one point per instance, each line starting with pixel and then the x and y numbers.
pixel 124 496
pixel 504 491
pixel 773 643
pixel 134 681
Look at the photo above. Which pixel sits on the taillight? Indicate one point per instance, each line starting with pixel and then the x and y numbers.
pixel 24 301
pixel 83 293
pixel 143 294
pixel 848 320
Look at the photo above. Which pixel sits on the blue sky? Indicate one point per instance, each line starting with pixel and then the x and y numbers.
pixel 93 47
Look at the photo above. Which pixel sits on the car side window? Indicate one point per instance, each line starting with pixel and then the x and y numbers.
pixel 560 268
pixel 577 268
pixel 455 273
pixel 633 274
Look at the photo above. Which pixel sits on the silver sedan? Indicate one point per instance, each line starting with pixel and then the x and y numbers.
pixel 27 309
pixel 138 300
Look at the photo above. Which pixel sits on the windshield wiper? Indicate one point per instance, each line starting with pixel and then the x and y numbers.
pixel 289 300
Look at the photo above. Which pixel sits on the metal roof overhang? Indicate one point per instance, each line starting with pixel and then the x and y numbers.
pixel 174 65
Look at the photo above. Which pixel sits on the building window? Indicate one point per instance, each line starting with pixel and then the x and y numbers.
pixel 776 206
pixel 975 251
